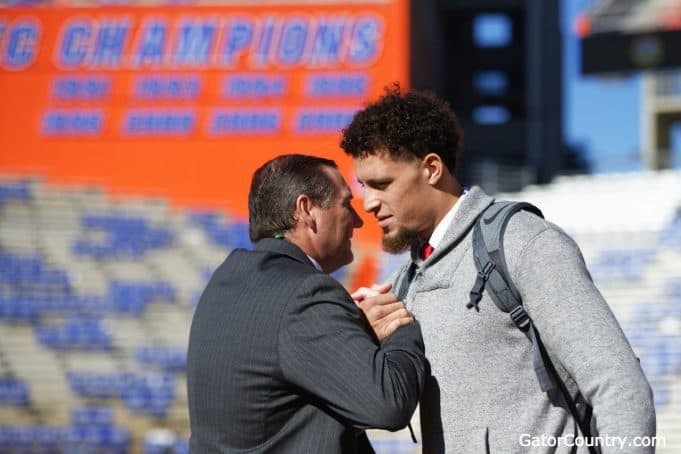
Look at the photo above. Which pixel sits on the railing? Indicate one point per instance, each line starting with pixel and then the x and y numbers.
pixel 668 84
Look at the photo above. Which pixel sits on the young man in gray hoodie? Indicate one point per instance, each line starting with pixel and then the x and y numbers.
pixel 483 394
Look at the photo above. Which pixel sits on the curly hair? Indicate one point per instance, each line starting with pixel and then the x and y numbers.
pixel 408 125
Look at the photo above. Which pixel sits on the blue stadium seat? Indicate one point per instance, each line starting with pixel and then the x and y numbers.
pixel 133 297
pixel 92 438
pixel 203 218
pixel 100 385
pixel 167 358
pixel 15 191
pixel 654 332
pixel 618 265
pixel 230 235
pixel 126 237
pixel 654 362
pixel 239 236
pixel 31 273
pixel 19 309
pixel 70 305
pixel 16 437
pixel 181 446
pixel 92 416
pixel 14 392
pixel 152 394
pixel 661 395
pixel 48 439
pixel 76 334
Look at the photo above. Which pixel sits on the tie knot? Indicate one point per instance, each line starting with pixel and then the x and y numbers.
pixel 426 251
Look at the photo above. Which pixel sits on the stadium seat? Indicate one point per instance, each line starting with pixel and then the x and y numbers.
pixel 125 236
pixel 14 392
pixel 14 191
pixel 76 334
pixel 163 357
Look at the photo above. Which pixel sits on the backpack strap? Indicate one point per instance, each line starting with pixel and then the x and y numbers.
pixel 493 273
pixel 488 253
pixel 404 278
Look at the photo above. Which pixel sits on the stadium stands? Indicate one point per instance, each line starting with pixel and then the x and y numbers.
pixel 97 295
pixel 92 429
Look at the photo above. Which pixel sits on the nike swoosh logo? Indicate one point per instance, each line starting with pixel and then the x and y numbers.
pixel 489 220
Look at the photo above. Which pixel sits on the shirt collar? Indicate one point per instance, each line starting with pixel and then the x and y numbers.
pixel 441 228
pixel 315 263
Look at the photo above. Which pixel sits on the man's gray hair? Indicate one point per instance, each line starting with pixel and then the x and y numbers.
pixel 276 186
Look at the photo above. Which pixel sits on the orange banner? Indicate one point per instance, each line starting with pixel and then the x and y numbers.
pixel 186 102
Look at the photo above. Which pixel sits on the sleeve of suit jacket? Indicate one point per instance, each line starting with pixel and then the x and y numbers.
pixel 579 330
pixel 325 350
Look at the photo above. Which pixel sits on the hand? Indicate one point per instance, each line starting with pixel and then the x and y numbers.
pixel 385 313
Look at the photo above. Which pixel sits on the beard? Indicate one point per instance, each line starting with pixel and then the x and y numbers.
pixel 399 241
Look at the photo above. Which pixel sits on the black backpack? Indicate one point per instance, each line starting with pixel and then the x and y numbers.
pixel 493 275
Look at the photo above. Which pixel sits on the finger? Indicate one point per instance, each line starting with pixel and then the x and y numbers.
pixel 376 308
pixel 406 321
pixel 375 313
pixel 397 314
pixel 382 288
pixel 397 324
pixel 362 293
pixel 380 299
pixel 400 313
pixel 358 294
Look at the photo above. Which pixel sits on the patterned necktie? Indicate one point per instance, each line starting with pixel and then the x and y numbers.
pixel 426 251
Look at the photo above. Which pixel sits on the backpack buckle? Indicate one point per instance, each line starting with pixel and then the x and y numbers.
pixel 475 295
pixel 520 317
pixel 476 292
pixel 486 270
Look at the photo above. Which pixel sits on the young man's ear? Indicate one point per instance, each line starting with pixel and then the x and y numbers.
pixel 305 211
pixel 432 168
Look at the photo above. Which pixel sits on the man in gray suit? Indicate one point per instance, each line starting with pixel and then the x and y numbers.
pixel 280 359
pixel 483 395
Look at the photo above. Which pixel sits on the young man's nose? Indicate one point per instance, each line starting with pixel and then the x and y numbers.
pixel 370 202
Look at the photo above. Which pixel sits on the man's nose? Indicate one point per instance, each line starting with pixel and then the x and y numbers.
pixel 356 220
pixel 370 201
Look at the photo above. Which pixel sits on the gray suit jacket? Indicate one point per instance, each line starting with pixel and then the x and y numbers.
pixel 281 361
pixel 483 395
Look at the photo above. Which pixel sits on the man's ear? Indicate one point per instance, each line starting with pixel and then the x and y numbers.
pixel 305 212
pixel 433 168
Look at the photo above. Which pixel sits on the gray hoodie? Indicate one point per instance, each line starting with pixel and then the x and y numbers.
pixel 483 395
